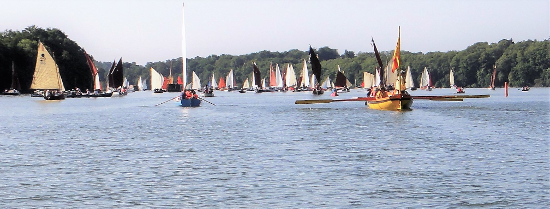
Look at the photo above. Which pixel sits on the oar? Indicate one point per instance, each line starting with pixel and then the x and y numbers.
pixel 316 101
pixel 167 101
pixel 206 101
pixel 457 97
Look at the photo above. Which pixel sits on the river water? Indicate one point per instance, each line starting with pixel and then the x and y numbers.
pixel 263 151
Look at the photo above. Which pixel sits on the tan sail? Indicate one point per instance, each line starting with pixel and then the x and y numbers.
pixel 46 73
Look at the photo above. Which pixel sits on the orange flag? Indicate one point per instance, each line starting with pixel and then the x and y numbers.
pixel 396 53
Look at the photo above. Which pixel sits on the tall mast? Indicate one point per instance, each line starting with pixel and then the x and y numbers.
pixel 183 49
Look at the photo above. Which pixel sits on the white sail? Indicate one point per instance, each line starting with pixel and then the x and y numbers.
pixel 425 78
pixel 140 84
pixel 213 82
pixel 368 80
pixel 230 80
pixel 326 83
pixel 279 77
pixel 305 75
pixel 97 84
pixel 409 83
pixel 391 77
pixel 246 85
pixel 290 76
pixel 46 72
pixel 196 83
pixel 156 79
pixel 452 79
pixel 125 84
pixel 312 80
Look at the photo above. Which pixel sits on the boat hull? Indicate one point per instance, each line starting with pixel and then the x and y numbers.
pixel 190 102
pixel 208 94
pixel 396 102
pixel 55 97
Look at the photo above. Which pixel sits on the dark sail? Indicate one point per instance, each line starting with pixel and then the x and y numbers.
pixel 257 75
pixel 110 75
pixel 14 80
pixel 118 75
pixel 340 80
pixel 315 65
pixel 382 80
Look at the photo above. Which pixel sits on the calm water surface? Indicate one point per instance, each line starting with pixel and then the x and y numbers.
pixel 263 151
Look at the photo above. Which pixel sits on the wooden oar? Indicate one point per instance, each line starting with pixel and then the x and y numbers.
pixel 167 101
pixel 206 101
pixel 451 97
pixel 317 101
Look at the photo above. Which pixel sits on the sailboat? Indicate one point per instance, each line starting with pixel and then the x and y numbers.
pixel 492 86
pixel 46 75
pixel 397 99
pixel 425 81
pixel 140 84
pixel 316 69
pixel 95 81
pixel 246 86
pixel 188 97
pixel 452 83
pixel 156 81
pixel 116 78
pixel 230 80
pixel 15 86
pixel 257 78
pixel 409 83
pixel 290 78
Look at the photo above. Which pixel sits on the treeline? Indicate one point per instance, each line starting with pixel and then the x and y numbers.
pixel 520 64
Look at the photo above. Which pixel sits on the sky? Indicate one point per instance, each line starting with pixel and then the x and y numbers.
pixel 144 31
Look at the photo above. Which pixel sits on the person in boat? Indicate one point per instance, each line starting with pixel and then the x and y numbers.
pixel 369 90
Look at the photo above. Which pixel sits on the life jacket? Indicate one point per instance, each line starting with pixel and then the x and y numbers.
pixel 188 94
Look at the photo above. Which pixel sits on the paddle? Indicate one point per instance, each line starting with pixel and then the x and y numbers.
pixel 167 101
pixel 451 98
pixel 316 101
pixel 206 101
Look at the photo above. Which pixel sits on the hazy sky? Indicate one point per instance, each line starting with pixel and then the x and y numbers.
pixel 147 31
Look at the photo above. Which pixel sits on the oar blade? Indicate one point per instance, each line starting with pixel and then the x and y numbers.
pixel 313 101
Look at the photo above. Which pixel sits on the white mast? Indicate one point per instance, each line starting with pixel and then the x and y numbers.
pixel 183 49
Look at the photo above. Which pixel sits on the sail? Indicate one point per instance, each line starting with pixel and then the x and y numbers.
pixel 425 78
pixel 368 80
pixel 312 80
pixel 110 80
pixel 140 84
pixel 196 81
pixel 315 64
pixel 257 75
pixel 305 75
pixel 93 70
pixel 221 85
pixel 409 83
pixel 246 84
pixel 290 76
pixel 340 80
pixel 117 75
pixel 156 79
pixel 46 73
pixel 272 76
pixel 213 82
pixel 14 80
pixel 279 77
pixel 126 84
pixel 380 72
pixel 230 80
pixel 377 78
pixel 391 75
pixel 451 78
pixel 165 83
pixel 326 83
pixel 493 77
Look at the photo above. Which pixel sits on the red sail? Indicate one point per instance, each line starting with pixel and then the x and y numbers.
pixel 272 76
pixel 221 84
pixel 179 80
pixel 165 83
